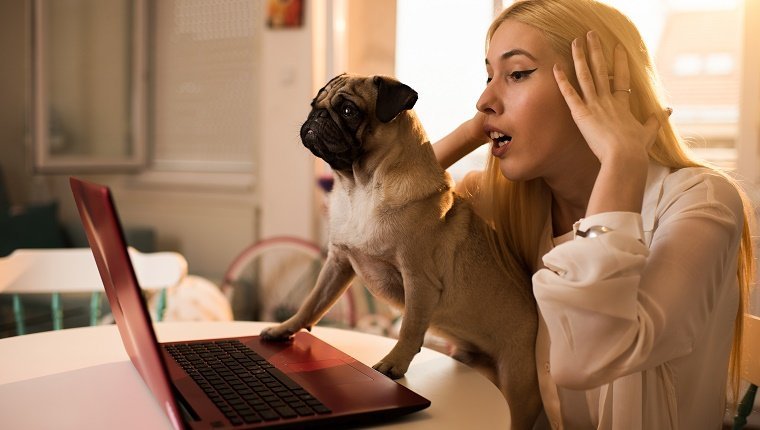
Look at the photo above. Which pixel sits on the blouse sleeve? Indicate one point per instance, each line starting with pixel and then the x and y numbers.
pixel 612 306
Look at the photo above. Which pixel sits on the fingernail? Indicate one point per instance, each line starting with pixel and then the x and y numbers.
pixel 575 42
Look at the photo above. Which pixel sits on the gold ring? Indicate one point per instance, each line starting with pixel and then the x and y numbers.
pixel 628 90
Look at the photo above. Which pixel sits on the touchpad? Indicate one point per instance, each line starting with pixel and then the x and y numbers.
pixel 326 372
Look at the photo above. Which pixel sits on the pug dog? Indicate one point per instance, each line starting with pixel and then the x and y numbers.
pixel 396 222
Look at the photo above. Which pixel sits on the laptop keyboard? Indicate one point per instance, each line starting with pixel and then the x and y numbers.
pixel 244 386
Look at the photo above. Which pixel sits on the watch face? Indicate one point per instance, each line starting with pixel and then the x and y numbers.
pixel 594 231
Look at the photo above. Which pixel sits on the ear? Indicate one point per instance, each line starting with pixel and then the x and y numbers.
pixel 393 97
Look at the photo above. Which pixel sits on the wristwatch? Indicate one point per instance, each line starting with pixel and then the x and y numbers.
pixel 593 231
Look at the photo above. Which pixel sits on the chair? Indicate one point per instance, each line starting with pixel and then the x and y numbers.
pixel 750 368
pixel 73 270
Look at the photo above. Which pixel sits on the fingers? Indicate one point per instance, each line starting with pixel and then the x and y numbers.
pixel 622 80
pixel 592 73
pixel 480 134
pixel 572 98
pixel 651 129
pixel 582 71
pixel 597 63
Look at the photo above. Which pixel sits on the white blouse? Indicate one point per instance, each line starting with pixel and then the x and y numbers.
pixel 636 324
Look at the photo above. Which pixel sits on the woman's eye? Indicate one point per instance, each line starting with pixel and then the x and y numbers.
pixel 488 80
pixel 519 75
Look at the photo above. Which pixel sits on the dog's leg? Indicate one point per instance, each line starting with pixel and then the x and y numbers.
pixel 332 282
pixel 420 300
pixel 518 382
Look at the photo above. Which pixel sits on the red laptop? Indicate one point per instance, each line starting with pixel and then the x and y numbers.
pixel 235 383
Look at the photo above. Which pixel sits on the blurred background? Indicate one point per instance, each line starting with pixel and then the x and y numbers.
pixel 190 109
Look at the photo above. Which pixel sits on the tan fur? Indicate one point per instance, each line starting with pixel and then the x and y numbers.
pixel 396 222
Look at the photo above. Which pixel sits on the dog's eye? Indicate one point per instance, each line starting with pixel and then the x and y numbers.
pixel 348 110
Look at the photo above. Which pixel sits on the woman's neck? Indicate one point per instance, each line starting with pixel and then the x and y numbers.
pixel 571 190
pixel 564 214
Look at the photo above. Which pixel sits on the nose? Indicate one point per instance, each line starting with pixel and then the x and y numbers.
pixel 319 113
pixel 488 103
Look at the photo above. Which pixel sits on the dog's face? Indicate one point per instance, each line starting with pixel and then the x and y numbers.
pixel 347 112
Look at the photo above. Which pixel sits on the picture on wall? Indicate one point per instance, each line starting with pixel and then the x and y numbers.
pixel 285 13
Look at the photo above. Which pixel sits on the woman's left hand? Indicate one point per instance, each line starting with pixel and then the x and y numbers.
pixel 602 113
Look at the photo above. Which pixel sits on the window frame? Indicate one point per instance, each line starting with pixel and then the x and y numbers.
pixel 748 135
pixel 43 157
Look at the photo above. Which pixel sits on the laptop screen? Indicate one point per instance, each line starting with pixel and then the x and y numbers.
pixel 106 238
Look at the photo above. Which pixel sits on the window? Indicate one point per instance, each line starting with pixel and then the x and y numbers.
pixel 698 47
pixel 88 86
pixel 719 64
pixel 442 59
pixel 687 65
pixel 205 90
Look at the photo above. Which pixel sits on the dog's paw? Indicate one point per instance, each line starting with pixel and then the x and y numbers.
pixel 391 370
pixel 277 333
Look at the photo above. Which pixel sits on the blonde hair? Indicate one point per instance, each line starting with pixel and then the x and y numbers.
pixel 518 231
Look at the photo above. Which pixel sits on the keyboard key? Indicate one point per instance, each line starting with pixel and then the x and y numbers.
pixel 286 412
pixel 296 405
pixel 282 377
pixel 321 409
pixel 251 418
pixel 243 409
pixel 304 411
pixel 269 415
pixel 261 407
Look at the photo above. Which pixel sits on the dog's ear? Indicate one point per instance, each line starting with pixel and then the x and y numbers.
pixel 393 97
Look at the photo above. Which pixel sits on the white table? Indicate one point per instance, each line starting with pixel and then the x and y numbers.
pixel 73 270
pixel 82 379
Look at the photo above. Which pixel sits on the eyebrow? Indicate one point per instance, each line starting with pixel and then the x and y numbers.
pixel 512 52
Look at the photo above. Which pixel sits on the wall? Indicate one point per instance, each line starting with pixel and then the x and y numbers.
pixel 13 84
pixel 289 81
pixel 371 41
pixel 208 218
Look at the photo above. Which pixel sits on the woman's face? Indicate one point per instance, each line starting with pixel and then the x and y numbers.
pixel 531 128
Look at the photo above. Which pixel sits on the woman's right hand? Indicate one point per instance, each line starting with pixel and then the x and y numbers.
pixel 474 129
pixel 460 142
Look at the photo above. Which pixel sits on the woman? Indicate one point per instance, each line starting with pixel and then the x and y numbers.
pixel 641 255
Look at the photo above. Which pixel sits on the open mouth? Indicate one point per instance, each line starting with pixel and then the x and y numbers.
pixel 499 139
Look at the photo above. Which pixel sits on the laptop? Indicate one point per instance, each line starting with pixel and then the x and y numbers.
pixel 238 383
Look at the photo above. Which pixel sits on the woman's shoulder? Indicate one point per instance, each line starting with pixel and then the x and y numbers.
pixel 703 184
pixel 689 177
pixel 470 183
